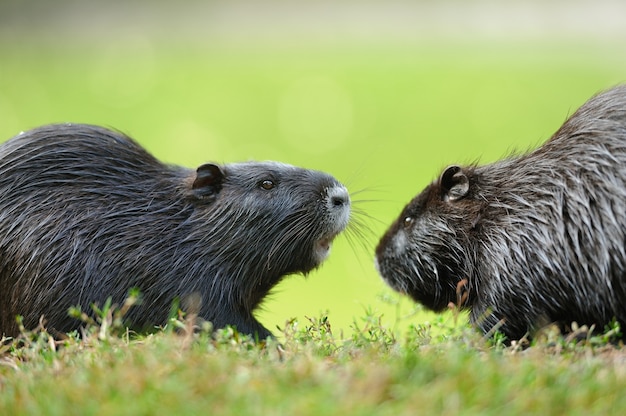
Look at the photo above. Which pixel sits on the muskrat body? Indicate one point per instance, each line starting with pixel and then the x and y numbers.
pixel 87 214
pixel 533 239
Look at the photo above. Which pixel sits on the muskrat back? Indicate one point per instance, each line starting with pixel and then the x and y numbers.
pixel 531 239
pixel 87 214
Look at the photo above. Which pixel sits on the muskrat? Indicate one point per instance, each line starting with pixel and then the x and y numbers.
pixel 87 214
pixel 533 239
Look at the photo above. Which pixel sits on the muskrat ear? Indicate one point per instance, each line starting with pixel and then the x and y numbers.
pixel 208 182
pixel 454 183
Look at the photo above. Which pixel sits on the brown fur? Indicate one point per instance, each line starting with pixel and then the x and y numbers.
pixel 538 238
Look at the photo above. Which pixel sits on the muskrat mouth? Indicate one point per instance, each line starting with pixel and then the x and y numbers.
pixel 323 246
pixel 326 243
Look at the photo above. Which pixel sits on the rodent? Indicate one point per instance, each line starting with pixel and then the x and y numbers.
pixel 87 214
pixel 533 239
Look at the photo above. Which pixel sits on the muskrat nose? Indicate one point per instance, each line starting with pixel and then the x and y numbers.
pixel 338 201
pixel 338 197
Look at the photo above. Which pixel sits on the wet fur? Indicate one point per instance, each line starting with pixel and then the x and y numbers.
pixel 539 237
pixel 86 214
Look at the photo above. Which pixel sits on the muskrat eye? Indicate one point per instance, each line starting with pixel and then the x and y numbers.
pixel 408 221
pixel 267 184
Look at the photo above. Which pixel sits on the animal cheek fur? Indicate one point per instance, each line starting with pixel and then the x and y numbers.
pixel 399 243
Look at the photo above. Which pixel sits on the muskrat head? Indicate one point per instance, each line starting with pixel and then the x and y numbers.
pixel 269 218
pixel 425 251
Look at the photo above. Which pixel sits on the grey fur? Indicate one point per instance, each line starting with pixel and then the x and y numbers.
pixel 86 213
pixel 539 237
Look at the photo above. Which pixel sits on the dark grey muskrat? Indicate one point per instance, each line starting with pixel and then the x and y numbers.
pixel 534 239
pixel 87 214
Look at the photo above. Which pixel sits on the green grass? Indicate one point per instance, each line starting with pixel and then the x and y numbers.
pixel 434 369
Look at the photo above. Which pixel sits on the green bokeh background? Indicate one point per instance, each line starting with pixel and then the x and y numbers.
pixel 382 95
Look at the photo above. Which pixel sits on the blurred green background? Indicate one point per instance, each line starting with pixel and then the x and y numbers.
pixel 381 94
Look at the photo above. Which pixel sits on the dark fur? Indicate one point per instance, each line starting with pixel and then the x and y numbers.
pixel 86 214
pixel 539 238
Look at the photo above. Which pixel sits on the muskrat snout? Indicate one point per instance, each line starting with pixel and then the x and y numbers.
pixel 337 203
pixel 338 206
